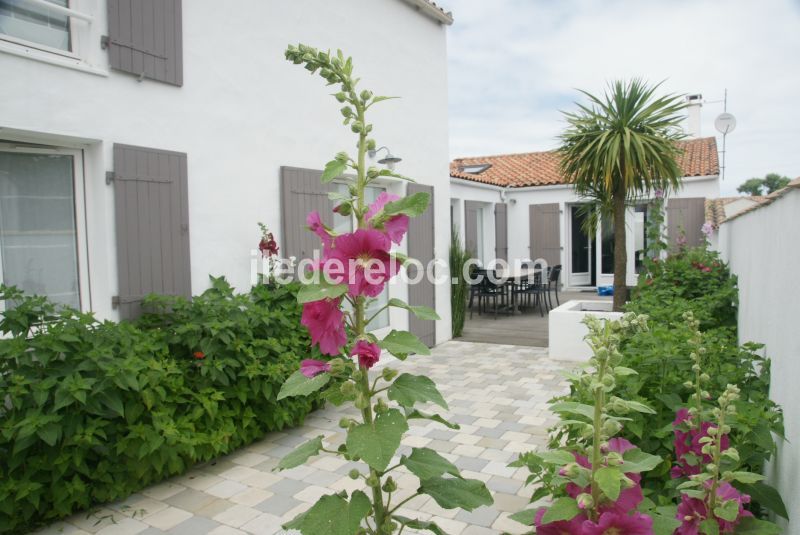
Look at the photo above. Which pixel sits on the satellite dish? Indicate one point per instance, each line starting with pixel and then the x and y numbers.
pixel 725 123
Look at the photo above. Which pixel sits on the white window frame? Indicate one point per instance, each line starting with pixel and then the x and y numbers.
pixel 79 191
pixel 81 32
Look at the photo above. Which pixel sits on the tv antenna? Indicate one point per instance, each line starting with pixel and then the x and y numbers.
pixel 725 123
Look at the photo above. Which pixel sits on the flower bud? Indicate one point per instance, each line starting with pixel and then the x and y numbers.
pixel 337 366
pixel 388 373
pixel 340 96
pixel 688 384
pixel 585 501
pixel 711 467
pixel 366 95
pixel 344 423
pixel 347 389
pixel 372 481
pixel 705 377
pixel 614 459
pixel 361 402
pixel 570 470
pixel 381 406
pixel 354 474
pixel 609 382
pixel 389 485
pixel 611 428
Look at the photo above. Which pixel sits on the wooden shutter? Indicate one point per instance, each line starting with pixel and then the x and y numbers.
pixel 545 232
pixel 302 193
pixel 501 231
pixel 687 216
pixel 421 236
pixel 145 38
pixel 472 210
pixel 152 225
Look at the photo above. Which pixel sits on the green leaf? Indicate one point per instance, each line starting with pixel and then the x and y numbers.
pixel 419 524
pixel 377 443
pixel 411 205
pixel 453 493
pixel 746 477
pixel 403 343
pixel 300 455
pixel 562 509
pixel 409 389
pixel 421 312
pixel 636 460
pixel 525 517
pixel 623 371
pixel 709 527
pixel 333 169
pixel 664 521
pixel 333 515
pixel 753 526
pixel 609 480
pixel 727 510
pixel 556 457
pixel 426 463
pixel 639 407
pixel 299 385
pixel 766 496
pixel 319 291
pixel 573 407
pixel 414 414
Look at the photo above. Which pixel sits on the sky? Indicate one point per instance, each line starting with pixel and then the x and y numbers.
pixel 514 65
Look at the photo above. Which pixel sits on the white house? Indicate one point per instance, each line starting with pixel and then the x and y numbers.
pixel 518 207
pixel 141 142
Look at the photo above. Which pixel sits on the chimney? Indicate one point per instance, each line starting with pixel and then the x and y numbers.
pixel 694 104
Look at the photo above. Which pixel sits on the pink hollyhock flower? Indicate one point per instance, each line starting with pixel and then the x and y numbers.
pixel 362 261
pixel 613 523
pixel 368 353
pixel 629 498
pixel 659 193
pixel 325 322
pixel 397 226
pixel 561 527
pixel 707 229
pixel 315 225
pixel 687 442
pixel 268 246
pixel 311 368
pixel 692 511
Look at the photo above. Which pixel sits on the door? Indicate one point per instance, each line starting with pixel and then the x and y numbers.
pixel 545 233
pixel 685 217
pixel 420 246
pixel 581 249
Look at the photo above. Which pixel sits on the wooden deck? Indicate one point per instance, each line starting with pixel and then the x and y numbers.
pixel 526 329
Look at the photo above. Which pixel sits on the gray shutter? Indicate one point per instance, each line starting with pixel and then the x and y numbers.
pixel 301 193
pixel 145 38
pixel 501 231
pixel 545 233
pixel 471 213
pixel 687 215
pixel 421 234
pixel 152 225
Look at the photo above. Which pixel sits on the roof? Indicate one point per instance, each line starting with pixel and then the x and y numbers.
pixel 432 10
pixel 769 199
pixel 715 208
pixel 699 158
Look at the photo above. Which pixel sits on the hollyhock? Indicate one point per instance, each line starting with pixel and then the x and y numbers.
pixel 560 527
pixel 311 368
pixel 199 355
pixel 615 523
pixel 363 260
pixel 325 322
pixel 692 511
pixel 707 229
pixel 397 226
pixel 368 353
pixel 687 442
pixel 315 225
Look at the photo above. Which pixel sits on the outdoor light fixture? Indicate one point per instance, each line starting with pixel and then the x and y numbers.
pixel 389 160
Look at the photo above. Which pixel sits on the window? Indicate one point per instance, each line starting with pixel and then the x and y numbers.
pixel 40 229
pixel 476 169
pixel 607 246
pixel 34 23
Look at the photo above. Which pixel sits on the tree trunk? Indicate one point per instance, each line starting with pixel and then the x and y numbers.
pixel 620 253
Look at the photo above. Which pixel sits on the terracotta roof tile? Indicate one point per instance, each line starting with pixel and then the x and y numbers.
pixel 699 158
pixel 769 199
pixel 715 208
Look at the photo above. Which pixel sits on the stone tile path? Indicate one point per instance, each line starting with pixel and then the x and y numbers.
pixel 497 393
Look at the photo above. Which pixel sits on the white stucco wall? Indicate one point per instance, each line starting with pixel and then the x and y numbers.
pixel 763 250
pixel 242 112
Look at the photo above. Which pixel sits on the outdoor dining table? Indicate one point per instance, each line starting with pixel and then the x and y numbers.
pixel 515 275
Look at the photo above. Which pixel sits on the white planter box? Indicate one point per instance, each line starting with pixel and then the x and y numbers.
pixel 566 330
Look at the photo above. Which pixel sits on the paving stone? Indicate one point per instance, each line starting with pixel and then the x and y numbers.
pixel 190 500
pixel 168 518
pixel 278 505
pixel 194 526
pixel 237 515
pixel 482 516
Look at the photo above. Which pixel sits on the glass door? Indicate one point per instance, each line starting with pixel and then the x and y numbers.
pixel 580 249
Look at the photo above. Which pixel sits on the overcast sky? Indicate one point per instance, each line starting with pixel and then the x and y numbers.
pixel 514 64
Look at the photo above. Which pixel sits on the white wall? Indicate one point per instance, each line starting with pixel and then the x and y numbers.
pixel 243 112
pixel 488 196
pixel 763 250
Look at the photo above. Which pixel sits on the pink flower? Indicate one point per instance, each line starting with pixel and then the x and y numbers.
pixel 707 229
pixel 692 511
pixel 561 527
pixel 315 225
pixel 325 322
pixel 659 193
pixel 311 368
pixel 268 246
pixel 368 353
pixel 688 442
pixel 613 523
pixel 361 260
pixel 397 226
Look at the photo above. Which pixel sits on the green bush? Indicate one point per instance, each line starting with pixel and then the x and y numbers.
pixel 94 411
pixel 459 287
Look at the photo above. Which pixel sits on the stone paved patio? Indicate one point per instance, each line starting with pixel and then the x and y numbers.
pixel 497 393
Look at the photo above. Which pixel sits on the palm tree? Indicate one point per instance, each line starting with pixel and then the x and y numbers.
pixel 617 149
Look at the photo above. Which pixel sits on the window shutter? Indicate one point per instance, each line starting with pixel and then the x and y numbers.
pixel 545 233
pixel 471 214
pixel 501 231
pixel 145 38
pixel 301 193
pixel 152 219
pixel 687 216
pixel 421 236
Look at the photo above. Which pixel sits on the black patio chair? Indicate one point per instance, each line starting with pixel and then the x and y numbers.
pixel 553 280
pixel 533 291
pixel 489 290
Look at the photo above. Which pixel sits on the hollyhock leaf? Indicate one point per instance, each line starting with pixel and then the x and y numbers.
pixel 639 407
pixel 411 205
pixel 376 443
pixel 572 407
pixel 767 497
pixel 638 461
pixel 623 371
pixel 409 389
pixel 387 172
pixel 299 385
pixel 562 509
pixel 664 521
pixel 333 169
pixel 419 524
pixel 421 312
pixel 753 526
pixel 333 515
pixel 608 479
pixel 524 517
pixel 709 527
pixel 403 343
pixel 454 493
pixel 556 457
pixel 426 463
pixel 412 414
pixel 727 510
pixel 301 454
pixel 746 477
pixel 319 291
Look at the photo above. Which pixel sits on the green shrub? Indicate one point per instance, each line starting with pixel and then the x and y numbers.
pixel 94 411
pixel 459 288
